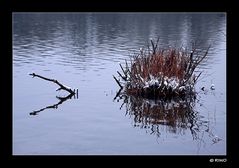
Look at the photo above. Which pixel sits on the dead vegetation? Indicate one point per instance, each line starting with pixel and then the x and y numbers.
pixel 165 73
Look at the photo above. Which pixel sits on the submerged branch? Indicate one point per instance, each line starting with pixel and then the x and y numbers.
pixel 62 87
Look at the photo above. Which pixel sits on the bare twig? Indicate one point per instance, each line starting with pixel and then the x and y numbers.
pixel 123 77
pixel 62 87
pixel 117 82
pixel 118 93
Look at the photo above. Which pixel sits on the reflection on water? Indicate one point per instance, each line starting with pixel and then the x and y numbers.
pixel 89 40
pixel 176 115
pixel 55 106
pixel 172 116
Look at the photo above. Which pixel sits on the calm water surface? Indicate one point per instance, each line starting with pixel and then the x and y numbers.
pixel 83 50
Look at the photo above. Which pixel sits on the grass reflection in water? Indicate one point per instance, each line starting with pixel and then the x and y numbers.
pixel 177 115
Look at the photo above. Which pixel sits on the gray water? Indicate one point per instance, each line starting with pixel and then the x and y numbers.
pixel 83 50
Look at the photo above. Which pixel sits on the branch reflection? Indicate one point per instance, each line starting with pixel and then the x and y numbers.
pixel 54 106
pixel 175 115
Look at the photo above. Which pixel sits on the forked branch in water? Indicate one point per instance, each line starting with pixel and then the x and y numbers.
pixel 62 87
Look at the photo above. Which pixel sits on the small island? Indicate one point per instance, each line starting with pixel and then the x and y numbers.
pixel 161 73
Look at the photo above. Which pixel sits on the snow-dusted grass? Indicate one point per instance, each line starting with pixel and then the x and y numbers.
pixel 161 73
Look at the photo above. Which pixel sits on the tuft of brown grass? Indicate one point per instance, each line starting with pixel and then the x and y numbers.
pixel 161 73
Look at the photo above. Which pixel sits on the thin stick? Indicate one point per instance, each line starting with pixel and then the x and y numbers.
pixel 125 78
pixel 118 93
pixel 117 82
pixel 54 81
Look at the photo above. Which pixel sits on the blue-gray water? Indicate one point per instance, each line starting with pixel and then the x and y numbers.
pixel 83 50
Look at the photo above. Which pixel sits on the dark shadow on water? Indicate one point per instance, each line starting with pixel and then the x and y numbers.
pixel 55 106
pixel 176 116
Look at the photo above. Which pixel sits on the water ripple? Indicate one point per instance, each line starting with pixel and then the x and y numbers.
pixel 90 42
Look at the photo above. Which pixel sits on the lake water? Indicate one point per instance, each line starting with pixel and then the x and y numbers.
pixel 83 50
